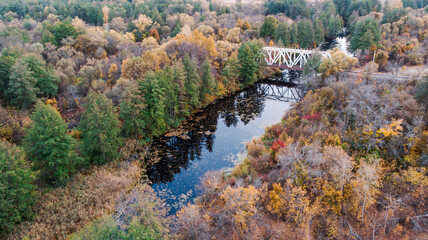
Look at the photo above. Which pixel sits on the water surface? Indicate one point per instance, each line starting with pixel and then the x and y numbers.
pixel 214 139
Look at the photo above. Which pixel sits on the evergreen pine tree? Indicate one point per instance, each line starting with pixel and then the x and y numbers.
pixel 335 26
pixel 100 129
pixel 131 113
pixel 306 34
pixel 294 34
pixel 22 90
pixel 17 191
pixel 366 33
pixel 154 114
pixel 180 79
pixel 319 32
pixel 208 82
pixel 192 82
pixel 230 69
pixel 248 64
pixel 49 146
pixel 46 79
pixel 283 34
pixel 171 89
pixel 269 27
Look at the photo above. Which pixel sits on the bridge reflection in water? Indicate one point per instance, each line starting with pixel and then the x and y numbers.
pixel 171 164
pixel 281 92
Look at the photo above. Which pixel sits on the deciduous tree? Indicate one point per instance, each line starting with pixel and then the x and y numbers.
pixel 62 30
pixel 338 63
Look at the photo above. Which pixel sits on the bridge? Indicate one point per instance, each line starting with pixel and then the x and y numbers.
pixel 288 58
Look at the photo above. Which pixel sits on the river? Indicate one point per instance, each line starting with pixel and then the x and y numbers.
pixel 214 138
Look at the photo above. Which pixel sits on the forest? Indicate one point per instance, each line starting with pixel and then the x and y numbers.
pixel 86 85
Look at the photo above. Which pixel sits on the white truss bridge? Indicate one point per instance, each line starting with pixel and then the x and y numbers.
pixel 289 58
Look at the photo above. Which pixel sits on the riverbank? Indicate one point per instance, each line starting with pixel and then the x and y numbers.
pixel 323 173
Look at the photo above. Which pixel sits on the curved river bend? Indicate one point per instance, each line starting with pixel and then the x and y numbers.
pixel 214 139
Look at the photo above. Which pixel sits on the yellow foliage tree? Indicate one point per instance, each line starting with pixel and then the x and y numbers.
pixel 113 74
pixel 136 67
pixel 299 205
pixel 246 25
pixel 241 203
pixel 338 63
pixel 239 23
pixel 332 198
pixel 292 202
pixel 394 129
pixel 277 204
pixel 198 38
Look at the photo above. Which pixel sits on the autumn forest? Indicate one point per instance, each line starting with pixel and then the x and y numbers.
pixel 87 86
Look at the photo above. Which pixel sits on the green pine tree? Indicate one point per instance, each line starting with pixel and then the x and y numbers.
pixel 365 34
pixel 230 70
pixel 208 82
pixel 62 30
pixel 179 79
pixel 45 77
pixel 17 191
pixel 176 30
pixel 154 114
pixel 7 61
pixel 294 34
pixel 49 146
pixel 171 89
pixel 319 32
pixel 306 36
pixel 192 82
pixel 248 64
pixel 335 26
pixel 283 34
pixel 100 129
pixel 131 113
pixel 22 90
pixel 269 27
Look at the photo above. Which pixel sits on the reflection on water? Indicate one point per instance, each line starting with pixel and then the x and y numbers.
pixel 214 138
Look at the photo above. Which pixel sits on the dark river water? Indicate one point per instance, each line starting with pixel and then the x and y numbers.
pixel 214 139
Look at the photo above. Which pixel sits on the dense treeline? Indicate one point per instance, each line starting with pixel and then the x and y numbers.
pixel 85 83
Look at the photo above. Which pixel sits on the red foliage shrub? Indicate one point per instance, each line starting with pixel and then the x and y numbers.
pixel 277 144
pixel 313 117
